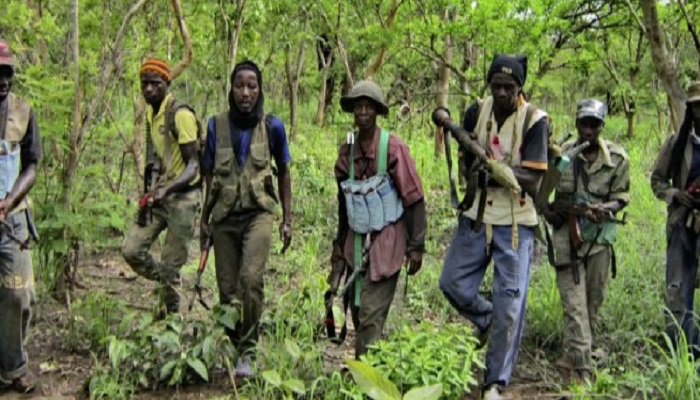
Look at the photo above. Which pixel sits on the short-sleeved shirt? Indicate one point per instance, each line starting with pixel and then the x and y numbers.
pixel 534 146
pixel 388 249
pixel 279 148
pixel 186 124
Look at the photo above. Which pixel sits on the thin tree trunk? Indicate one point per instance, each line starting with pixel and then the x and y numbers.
pixel 323 91
pixel 443 85
pixel 379 58
pixel 233 42
pixel 293 79
pixel 663 62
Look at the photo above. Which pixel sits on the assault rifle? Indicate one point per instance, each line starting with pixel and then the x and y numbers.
pixel 204 256
pixel 593 212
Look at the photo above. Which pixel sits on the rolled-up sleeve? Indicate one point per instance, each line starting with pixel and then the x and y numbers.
pixel 402 169
pixel 620 186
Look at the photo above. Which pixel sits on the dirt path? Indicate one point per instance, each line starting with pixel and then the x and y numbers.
pixel 63 367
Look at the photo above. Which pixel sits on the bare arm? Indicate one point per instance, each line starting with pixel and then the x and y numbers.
pixel 529 179
pixel 284 185
pixel 189 156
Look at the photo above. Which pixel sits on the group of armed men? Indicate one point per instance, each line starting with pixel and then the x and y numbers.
pixel 381 212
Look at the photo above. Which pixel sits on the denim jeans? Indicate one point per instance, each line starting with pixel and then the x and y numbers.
pixel 464 268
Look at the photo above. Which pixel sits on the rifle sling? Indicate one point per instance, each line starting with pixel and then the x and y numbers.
pixel 454 200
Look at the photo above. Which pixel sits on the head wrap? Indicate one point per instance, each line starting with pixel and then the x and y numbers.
pixel 157 66
pixel 514 66
pixel 250 119
pixel 6 55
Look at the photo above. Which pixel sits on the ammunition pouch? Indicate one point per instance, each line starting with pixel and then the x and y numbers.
pixel 372 203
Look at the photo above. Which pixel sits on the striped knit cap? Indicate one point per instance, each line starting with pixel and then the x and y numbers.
pixel 158 66
pixel 5 54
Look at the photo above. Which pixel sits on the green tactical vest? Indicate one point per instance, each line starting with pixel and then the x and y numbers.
pixel 241 189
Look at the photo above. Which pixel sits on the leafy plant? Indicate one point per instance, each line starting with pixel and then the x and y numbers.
pixel 378 387
pixel 170 352
pixel 427 354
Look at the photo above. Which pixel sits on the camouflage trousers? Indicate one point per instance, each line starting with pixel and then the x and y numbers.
pixel 241 247
pixel 176 213
pixel 581 303
pixel 16 300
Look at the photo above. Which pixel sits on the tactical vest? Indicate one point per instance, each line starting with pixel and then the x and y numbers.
pixel 13 129
pixel 238 189
pixel 503 208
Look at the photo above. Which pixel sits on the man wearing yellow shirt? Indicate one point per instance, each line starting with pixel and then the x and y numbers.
pixel 172 186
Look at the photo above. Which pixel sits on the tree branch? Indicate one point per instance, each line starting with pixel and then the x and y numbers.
pixel 186 40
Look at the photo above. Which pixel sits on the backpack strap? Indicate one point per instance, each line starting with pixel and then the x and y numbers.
pixel 383 151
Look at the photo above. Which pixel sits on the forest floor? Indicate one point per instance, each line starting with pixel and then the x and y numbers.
pixel 62 372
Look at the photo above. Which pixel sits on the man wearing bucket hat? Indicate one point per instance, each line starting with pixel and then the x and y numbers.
pixel 395 231
pixel 20 151
pixel 599 179
pixel 675 179
pixel 501 224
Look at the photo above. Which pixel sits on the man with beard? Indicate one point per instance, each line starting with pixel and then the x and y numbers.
pixel 173 188
pixel 20 151
pixel 239 209
pixel 593 188
pixel 500 225
pixel 675 179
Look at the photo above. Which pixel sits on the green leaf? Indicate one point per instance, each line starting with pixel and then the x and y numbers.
pixel 168 339
pixel 198 366
pixel 292 349
pixel 431 392
pixel 295 385
pixel 372 383
pixel 167 369
pixel 272 377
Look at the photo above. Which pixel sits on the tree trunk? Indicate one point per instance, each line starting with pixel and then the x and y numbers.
pixel 233 42
pixel 323 93
pixel 664 62
pixel 379 58
pixel 443 85
pixel 293 79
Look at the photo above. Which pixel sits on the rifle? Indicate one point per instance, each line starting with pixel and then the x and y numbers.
pixel 501 173
pixel 337 272
pixel 576 210
pixel 204 256
pixel 553 175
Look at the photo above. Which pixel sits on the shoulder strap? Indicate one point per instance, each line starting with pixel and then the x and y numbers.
pixel 383 151
pixel 529 112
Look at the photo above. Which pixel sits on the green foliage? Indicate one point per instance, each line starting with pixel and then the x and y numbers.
pixel 169 352
pixel 376 386
pixel 427 354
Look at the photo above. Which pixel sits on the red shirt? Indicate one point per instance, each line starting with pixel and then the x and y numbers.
pixel 388 248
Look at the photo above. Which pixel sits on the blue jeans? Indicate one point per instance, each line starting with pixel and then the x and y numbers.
pixel 462 273
pixel 681 271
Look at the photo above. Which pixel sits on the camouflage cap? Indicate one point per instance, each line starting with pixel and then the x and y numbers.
pixel 6 54
pixel 367 89
pixel 694 92
pixel 591 108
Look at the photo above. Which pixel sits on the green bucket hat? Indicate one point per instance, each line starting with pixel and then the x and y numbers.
pixel 367 89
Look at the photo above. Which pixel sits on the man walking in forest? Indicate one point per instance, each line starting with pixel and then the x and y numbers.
pixel 20 151
pixel 394 233
pixel 593 188
pixel 500 225
pixel 240 205
pixel 675 179
pixel 172 186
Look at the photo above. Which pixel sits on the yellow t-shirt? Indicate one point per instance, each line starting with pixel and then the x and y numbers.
pixel 186 124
